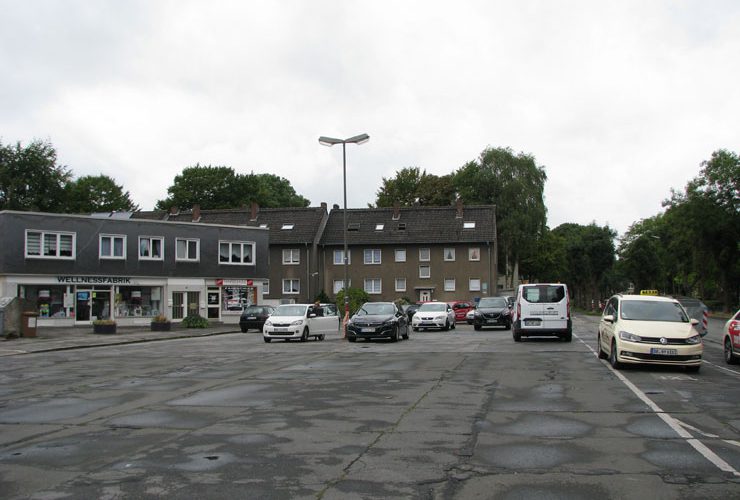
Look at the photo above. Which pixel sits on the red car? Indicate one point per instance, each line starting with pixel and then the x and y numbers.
pixel 461 308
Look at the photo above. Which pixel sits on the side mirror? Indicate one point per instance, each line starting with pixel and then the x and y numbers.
pixel 694 321
pixel 609 318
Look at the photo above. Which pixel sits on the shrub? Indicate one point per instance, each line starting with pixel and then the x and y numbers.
pixel 104 322
pixel 195 321
pixel 160 319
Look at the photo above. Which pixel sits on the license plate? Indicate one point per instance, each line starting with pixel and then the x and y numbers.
pixel 668 352
pixel 280 330
pixel 531 322
pixel 251 317
pixel 367 330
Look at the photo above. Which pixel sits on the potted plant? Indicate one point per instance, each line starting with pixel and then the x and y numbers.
pixel 106 326
pixel 161 324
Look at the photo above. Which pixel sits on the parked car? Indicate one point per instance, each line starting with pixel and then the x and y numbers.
pixel 410 310
pixel 461 308
pixel 648 329
pixel 542 309
pixel 469 316
pixel 433 315
pixel 378 320
pixel 696 309
pixel 298 321
pixel 254 317
pixel 492 311
pixel 731 339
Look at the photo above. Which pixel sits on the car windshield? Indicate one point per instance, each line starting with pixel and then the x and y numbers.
pixel 493 302
pixel 370 309
pixel 431 306
pixel 253 310
pixel 290 310
pixel 652 310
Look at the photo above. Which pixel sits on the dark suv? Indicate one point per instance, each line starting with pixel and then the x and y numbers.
pixel 254 317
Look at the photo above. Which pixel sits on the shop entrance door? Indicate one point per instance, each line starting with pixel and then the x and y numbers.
pixel 184 303
pixel 82 306
pixel 101 305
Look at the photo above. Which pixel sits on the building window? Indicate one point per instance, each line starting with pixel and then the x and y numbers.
pixel 474 285
pixel 151 248
pixel 187 249
pixel 266 287
pixel 449 284
pixel 424 255
pixel 50 245
pixel 291 287
pixel 372 256
pixel 287 226
pixel 449 254
pixel 112 246
pixel 337 286
pixel 469 225
pixel 379 227
pixel 373 285
pixel 291 256
pixel 400 284
pixel 425 271
pixel 400 255
pixel 236 252
pixel 339 257
pixel 474 253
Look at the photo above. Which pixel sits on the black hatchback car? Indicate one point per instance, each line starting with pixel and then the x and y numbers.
pixel 254 317
pixel 378 320
pixel 492 311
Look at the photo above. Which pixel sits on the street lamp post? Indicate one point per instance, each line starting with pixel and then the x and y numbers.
pixel 330 141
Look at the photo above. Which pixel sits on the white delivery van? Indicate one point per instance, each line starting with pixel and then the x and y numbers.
pixel 542 309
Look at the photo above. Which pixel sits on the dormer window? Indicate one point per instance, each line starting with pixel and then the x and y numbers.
pixel 402 226
pixel 354 226
pixel 288 226
pixel 379 227
pixel 469 225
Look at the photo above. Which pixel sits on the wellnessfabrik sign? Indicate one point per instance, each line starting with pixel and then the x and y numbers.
pixel 94 280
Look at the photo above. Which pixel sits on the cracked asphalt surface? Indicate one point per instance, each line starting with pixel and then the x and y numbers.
pixel 459 414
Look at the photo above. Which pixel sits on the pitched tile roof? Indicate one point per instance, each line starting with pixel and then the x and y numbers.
pixel 420 225
pixel 306 222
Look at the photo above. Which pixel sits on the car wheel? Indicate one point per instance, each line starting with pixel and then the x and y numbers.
pixel 613 360
pixel 352 339
pixel 406 333
pixel 447 325
pixel 730 358
pixel 602 354
pixel 415 329
pixel 321 337
pixel 394 334
pixel 304 337
pixel 267 339
pixel 244 330
pixel 568 337
pixel 692 368
pixel 517 335
pixel 477 327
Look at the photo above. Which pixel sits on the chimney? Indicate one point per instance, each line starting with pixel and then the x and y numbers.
pixel 196 213
pixel 174 210
pixel 323 205
pixel 254 210
pixel 459 204
pixel 335 207
pixel 396 210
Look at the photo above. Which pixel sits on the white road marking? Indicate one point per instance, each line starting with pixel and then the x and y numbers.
pixel 721 367
pixel 669 420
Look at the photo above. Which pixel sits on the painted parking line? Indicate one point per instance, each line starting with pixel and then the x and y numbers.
pixel 668 419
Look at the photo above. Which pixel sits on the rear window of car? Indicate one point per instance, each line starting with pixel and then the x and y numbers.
pixel 493 302
pixel 253 310
pixel 543 294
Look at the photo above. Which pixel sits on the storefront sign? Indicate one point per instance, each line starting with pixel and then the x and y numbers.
pixel 222 282
pixel 95 280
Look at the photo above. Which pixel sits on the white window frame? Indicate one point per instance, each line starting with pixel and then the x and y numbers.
pixel 428 273
pixel 187 257
pixel 469 224
pixel 379 227
pixel 402 286
pixel 400 254
pixel 265 287
pixel 371 290
pixel 428 252
pixel 293 256
pixel 337 285
pixel 375 254
pixel 449 284
pixel 57 237
pixel 151 239
pixel 289 290
pixel 243 245
pixel 474 254
pixel 339 257
pixel 474 284
pixel 112 238
pixel 449 250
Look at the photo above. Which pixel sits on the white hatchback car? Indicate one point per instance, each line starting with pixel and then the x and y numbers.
pixel 300 321
pixel 649 329
pixel 433 315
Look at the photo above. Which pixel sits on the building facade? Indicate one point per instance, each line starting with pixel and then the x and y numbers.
pixel 77 269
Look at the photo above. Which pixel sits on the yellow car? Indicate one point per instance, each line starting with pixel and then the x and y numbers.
pixel 649 329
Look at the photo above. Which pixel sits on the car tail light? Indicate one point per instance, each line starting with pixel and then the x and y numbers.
pixel 568 304
pixel 735 326
pixel 518 310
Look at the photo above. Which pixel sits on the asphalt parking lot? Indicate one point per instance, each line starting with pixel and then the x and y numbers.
pixel 459 414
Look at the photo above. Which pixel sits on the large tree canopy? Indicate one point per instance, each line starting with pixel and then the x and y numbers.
pixel 220 187
pixel 412 186
pixel 99 193
pixel 30 178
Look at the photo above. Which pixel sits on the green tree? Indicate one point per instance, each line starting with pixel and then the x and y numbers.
pixel 412 186
pixel 98 193
pixel 357 297
pixel 30 178
pixel 220 187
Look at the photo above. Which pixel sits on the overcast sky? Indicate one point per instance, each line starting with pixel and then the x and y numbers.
pixel 618 101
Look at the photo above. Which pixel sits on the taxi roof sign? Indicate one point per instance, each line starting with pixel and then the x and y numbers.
pixel 649 292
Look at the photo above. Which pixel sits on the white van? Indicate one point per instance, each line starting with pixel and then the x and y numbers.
pixel 542 309
pixel 301 321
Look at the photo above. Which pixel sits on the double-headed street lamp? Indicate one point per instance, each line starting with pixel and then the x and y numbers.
pixel 330 141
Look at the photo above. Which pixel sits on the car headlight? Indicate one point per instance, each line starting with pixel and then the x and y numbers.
pixel 630 337
pixel 695 339
pixel 296 322
pixel 268 323
pixel 388 323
